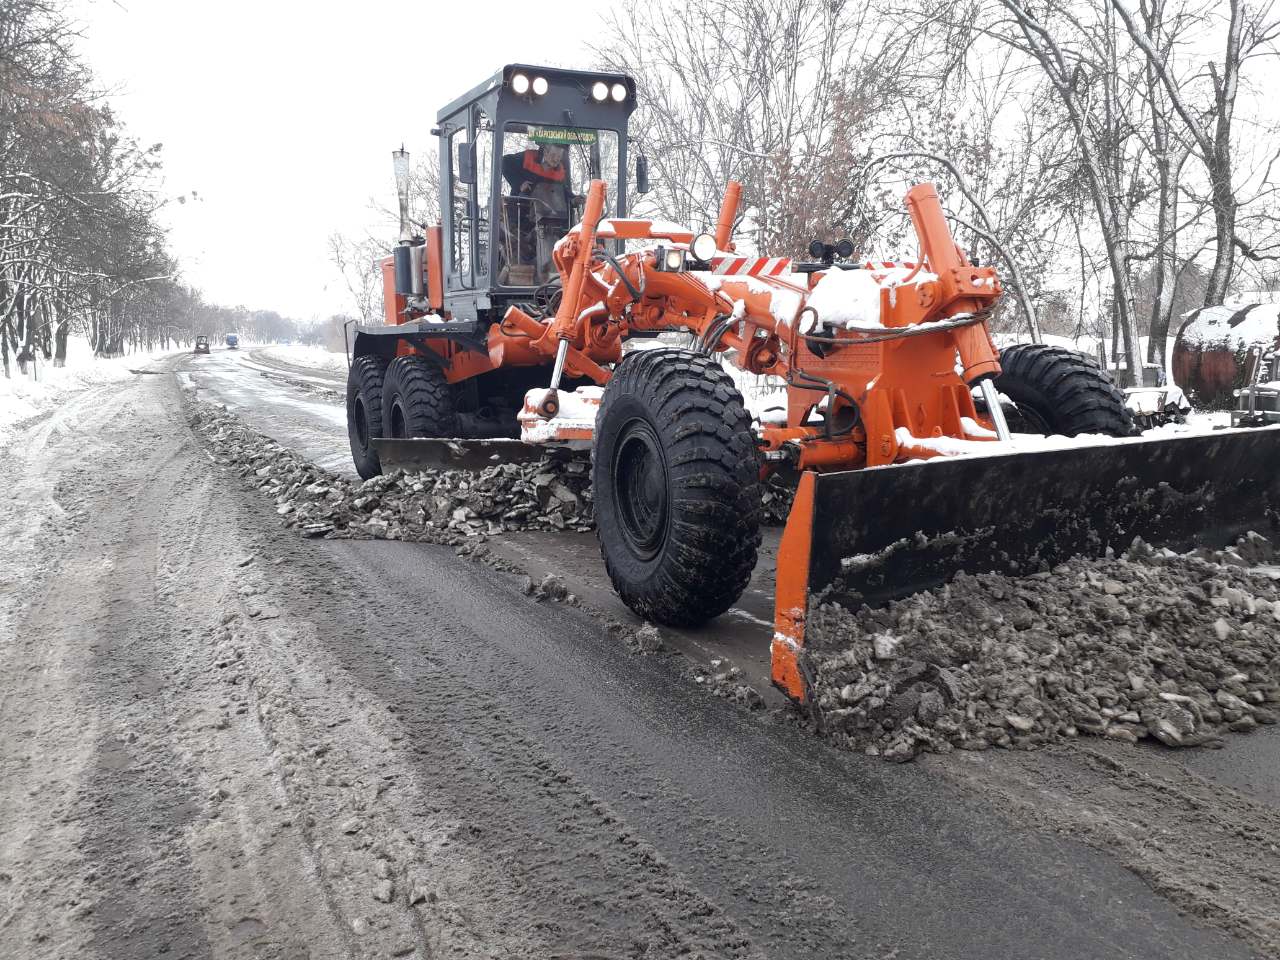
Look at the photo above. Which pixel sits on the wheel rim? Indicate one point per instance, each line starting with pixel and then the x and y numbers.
pixel 397 421
pixel 361 424
pixel 1027 419
pixel 639 473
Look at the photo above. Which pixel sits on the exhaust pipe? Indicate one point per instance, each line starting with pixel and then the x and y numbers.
pixel 400 166
pixel 408 257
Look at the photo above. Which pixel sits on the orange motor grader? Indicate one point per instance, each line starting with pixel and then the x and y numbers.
pixel 505 333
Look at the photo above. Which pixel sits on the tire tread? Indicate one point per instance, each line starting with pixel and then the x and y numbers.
pixel 1066 389
pixel 714 489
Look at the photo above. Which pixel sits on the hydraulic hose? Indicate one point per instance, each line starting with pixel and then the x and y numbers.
pixel 885 334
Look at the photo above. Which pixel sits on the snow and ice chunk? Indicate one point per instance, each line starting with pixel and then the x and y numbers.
pixel 578 409
pixel 845 297
pixel 784 300
pixel 973 429
pixel 658 227
pixel 591 311
pixel 851 298
pixel 1149 401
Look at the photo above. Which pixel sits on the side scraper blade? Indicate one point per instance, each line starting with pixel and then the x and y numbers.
pixel 433 453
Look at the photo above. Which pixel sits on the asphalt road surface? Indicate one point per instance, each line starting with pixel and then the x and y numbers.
pixel 218 739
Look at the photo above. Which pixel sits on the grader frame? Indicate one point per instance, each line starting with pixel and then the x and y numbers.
pixel 890 383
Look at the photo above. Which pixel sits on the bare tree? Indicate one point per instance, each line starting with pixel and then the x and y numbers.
pixel 1249 33
pixel 786 96
pixel 79 241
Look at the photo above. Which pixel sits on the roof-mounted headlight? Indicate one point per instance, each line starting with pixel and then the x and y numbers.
pixel 619 92
pixel 703 247
pixel 520 83
pixel 600 91
pixel 539 86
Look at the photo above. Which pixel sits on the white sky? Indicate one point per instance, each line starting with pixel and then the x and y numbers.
pixel 282 116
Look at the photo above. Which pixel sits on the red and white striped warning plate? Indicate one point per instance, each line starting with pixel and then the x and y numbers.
pixel 751 266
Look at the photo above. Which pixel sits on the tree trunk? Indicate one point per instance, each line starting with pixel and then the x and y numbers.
pixel 24 331
pixel 1224 219
pixel 1166 219
pixel 60 332
pixel 1096 166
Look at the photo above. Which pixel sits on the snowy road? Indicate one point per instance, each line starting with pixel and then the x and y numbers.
pixel 218 740
pixel 294 396
pixel 301 407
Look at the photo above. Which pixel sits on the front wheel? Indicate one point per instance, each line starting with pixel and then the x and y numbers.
pixel 1060 392
pixel 675 476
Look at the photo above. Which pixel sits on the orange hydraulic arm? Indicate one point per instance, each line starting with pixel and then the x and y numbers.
pixel 728 213
pixel 978 355
pixel 886 391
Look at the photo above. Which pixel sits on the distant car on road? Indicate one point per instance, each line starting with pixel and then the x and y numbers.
pixel 202 344
pixel 233 341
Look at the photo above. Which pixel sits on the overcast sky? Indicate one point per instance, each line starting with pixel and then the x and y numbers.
pixel 282 116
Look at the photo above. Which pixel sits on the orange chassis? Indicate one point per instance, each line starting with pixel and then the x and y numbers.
pixel 892 384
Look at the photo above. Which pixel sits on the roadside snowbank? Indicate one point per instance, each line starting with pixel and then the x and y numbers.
pixel 305 356
pixel 25 396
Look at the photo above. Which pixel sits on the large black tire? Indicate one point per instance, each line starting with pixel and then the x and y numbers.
pixel 364 412
pixel 417 400
pixel 1060 392
pixel 675 476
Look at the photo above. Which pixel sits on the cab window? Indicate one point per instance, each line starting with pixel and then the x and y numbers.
pixel 460 210
pixel 545 173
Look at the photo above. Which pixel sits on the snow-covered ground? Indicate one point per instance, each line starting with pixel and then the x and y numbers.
pixel 44 386
pixel 1198 421
pixel 306 356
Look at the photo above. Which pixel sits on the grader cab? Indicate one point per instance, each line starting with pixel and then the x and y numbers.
pixel 918 447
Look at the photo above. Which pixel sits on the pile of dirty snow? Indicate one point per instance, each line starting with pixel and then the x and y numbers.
pixel 440 506
pixel 1178 648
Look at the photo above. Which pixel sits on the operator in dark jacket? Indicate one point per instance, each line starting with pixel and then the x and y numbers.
pixel 525 170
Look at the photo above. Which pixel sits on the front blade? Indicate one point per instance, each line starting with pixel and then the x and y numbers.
pixel 887 532
pixel 434 453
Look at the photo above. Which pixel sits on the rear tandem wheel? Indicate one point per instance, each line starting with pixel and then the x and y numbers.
pixel 1059 391
pixel 417 400
pixel 364 412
